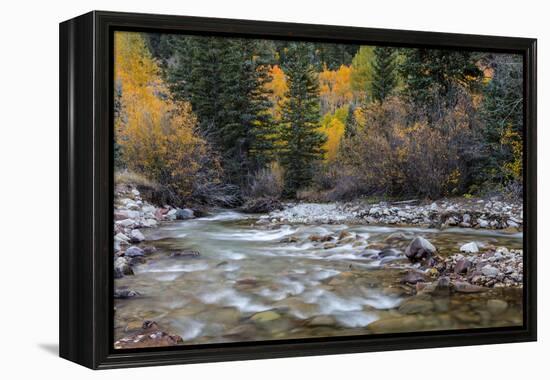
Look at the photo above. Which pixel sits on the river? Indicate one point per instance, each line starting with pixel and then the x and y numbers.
pixel 261 282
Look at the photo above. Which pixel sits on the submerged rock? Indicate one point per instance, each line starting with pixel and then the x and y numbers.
pixel 466 287
pixel 496 307
pixel 125 293
pixel 398 324
pixel 185 254
pixel 412 277
pixel 134 252
pixel 416 305
pixel 322 320
pixel 265 316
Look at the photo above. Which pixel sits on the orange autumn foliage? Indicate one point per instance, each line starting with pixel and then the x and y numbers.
pixel 156 133
pixel 278 87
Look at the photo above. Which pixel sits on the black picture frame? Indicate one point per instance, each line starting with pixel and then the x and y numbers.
pixel 86 190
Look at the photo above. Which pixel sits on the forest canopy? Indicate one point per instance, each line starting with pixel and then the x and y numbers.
pixel 222 120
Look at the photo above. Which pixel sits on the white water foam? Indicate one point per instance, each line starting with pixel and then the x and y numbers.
pixel 230 297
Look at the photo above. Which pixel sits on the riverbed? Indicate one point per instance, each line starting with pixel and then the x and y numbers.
pixel 253 281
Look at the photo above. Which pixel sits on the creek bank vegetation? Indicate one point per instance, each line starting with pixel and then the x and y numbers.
pixel 233 122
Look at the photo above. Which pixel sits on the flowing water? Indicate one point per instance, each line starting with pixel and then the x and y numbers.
pixel 254 282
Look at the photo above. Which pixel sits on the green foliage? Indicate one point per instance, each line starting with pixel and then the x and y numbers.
pixel 502 115
pixel 396 122
pixel 302 142
pixel 361 75
pixel 225 81
pixel 433 77
pixel 384 79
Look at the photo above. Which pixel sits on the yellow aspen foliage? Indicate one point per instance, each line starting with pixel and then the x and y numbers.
pixel 278 87
pixel 335 88
pixel 333 126
pixel 156 133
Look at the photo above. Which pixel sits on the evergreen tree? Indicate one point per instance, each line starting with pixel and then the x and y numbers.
pixel 247 131
pixel 384 77
pixel 432 77
pixel 502 116
pixel 302 141
pixel 224 80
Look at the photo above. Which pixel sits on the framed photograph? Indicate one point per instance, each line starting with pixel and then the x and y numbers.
pixel 237 189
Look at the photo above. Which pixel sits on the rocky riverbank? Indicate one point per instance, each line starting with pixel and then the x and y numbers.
pixel 461 212
pixel 131 214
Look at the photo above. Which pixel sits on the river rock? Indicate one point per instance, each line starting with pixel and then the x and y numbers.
pixel 416 305
pixel 322 320
pixel 496 307
pixel 397 324
pixel 185 213
pixel 469 248
pixel 134 252
pixel 265 316
pixel 136 236
pixel 412 277
pixel 171 214
pixel 511 223
pixel 344 234
pixel 122 268
pixel 149 223
pixel 122 238
pixel 462 266
pixel 125 293
pixel 149 336
pixel 420 249
pixel 321 238
pixel 489 271
pixel 126 222
pixel 466 287
pixel 185 254
pixel 483 223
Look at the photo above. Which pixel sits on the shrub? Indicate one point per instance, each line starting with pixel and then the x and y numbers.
pixel 267 182
pixel 399 153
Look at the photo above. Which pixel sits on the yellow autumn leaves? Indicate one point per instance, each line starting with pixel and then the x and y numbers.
pixel 156 133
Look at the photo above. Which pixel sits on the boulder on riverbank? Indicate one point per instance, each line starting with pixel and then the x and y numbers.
pixel 420 250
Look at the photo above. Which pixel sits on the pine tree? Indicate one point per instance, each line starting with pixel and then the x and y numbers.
pixel 384 77
pixel 224 80
pixel 302 141
pixel 431 77
pixel 248 127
